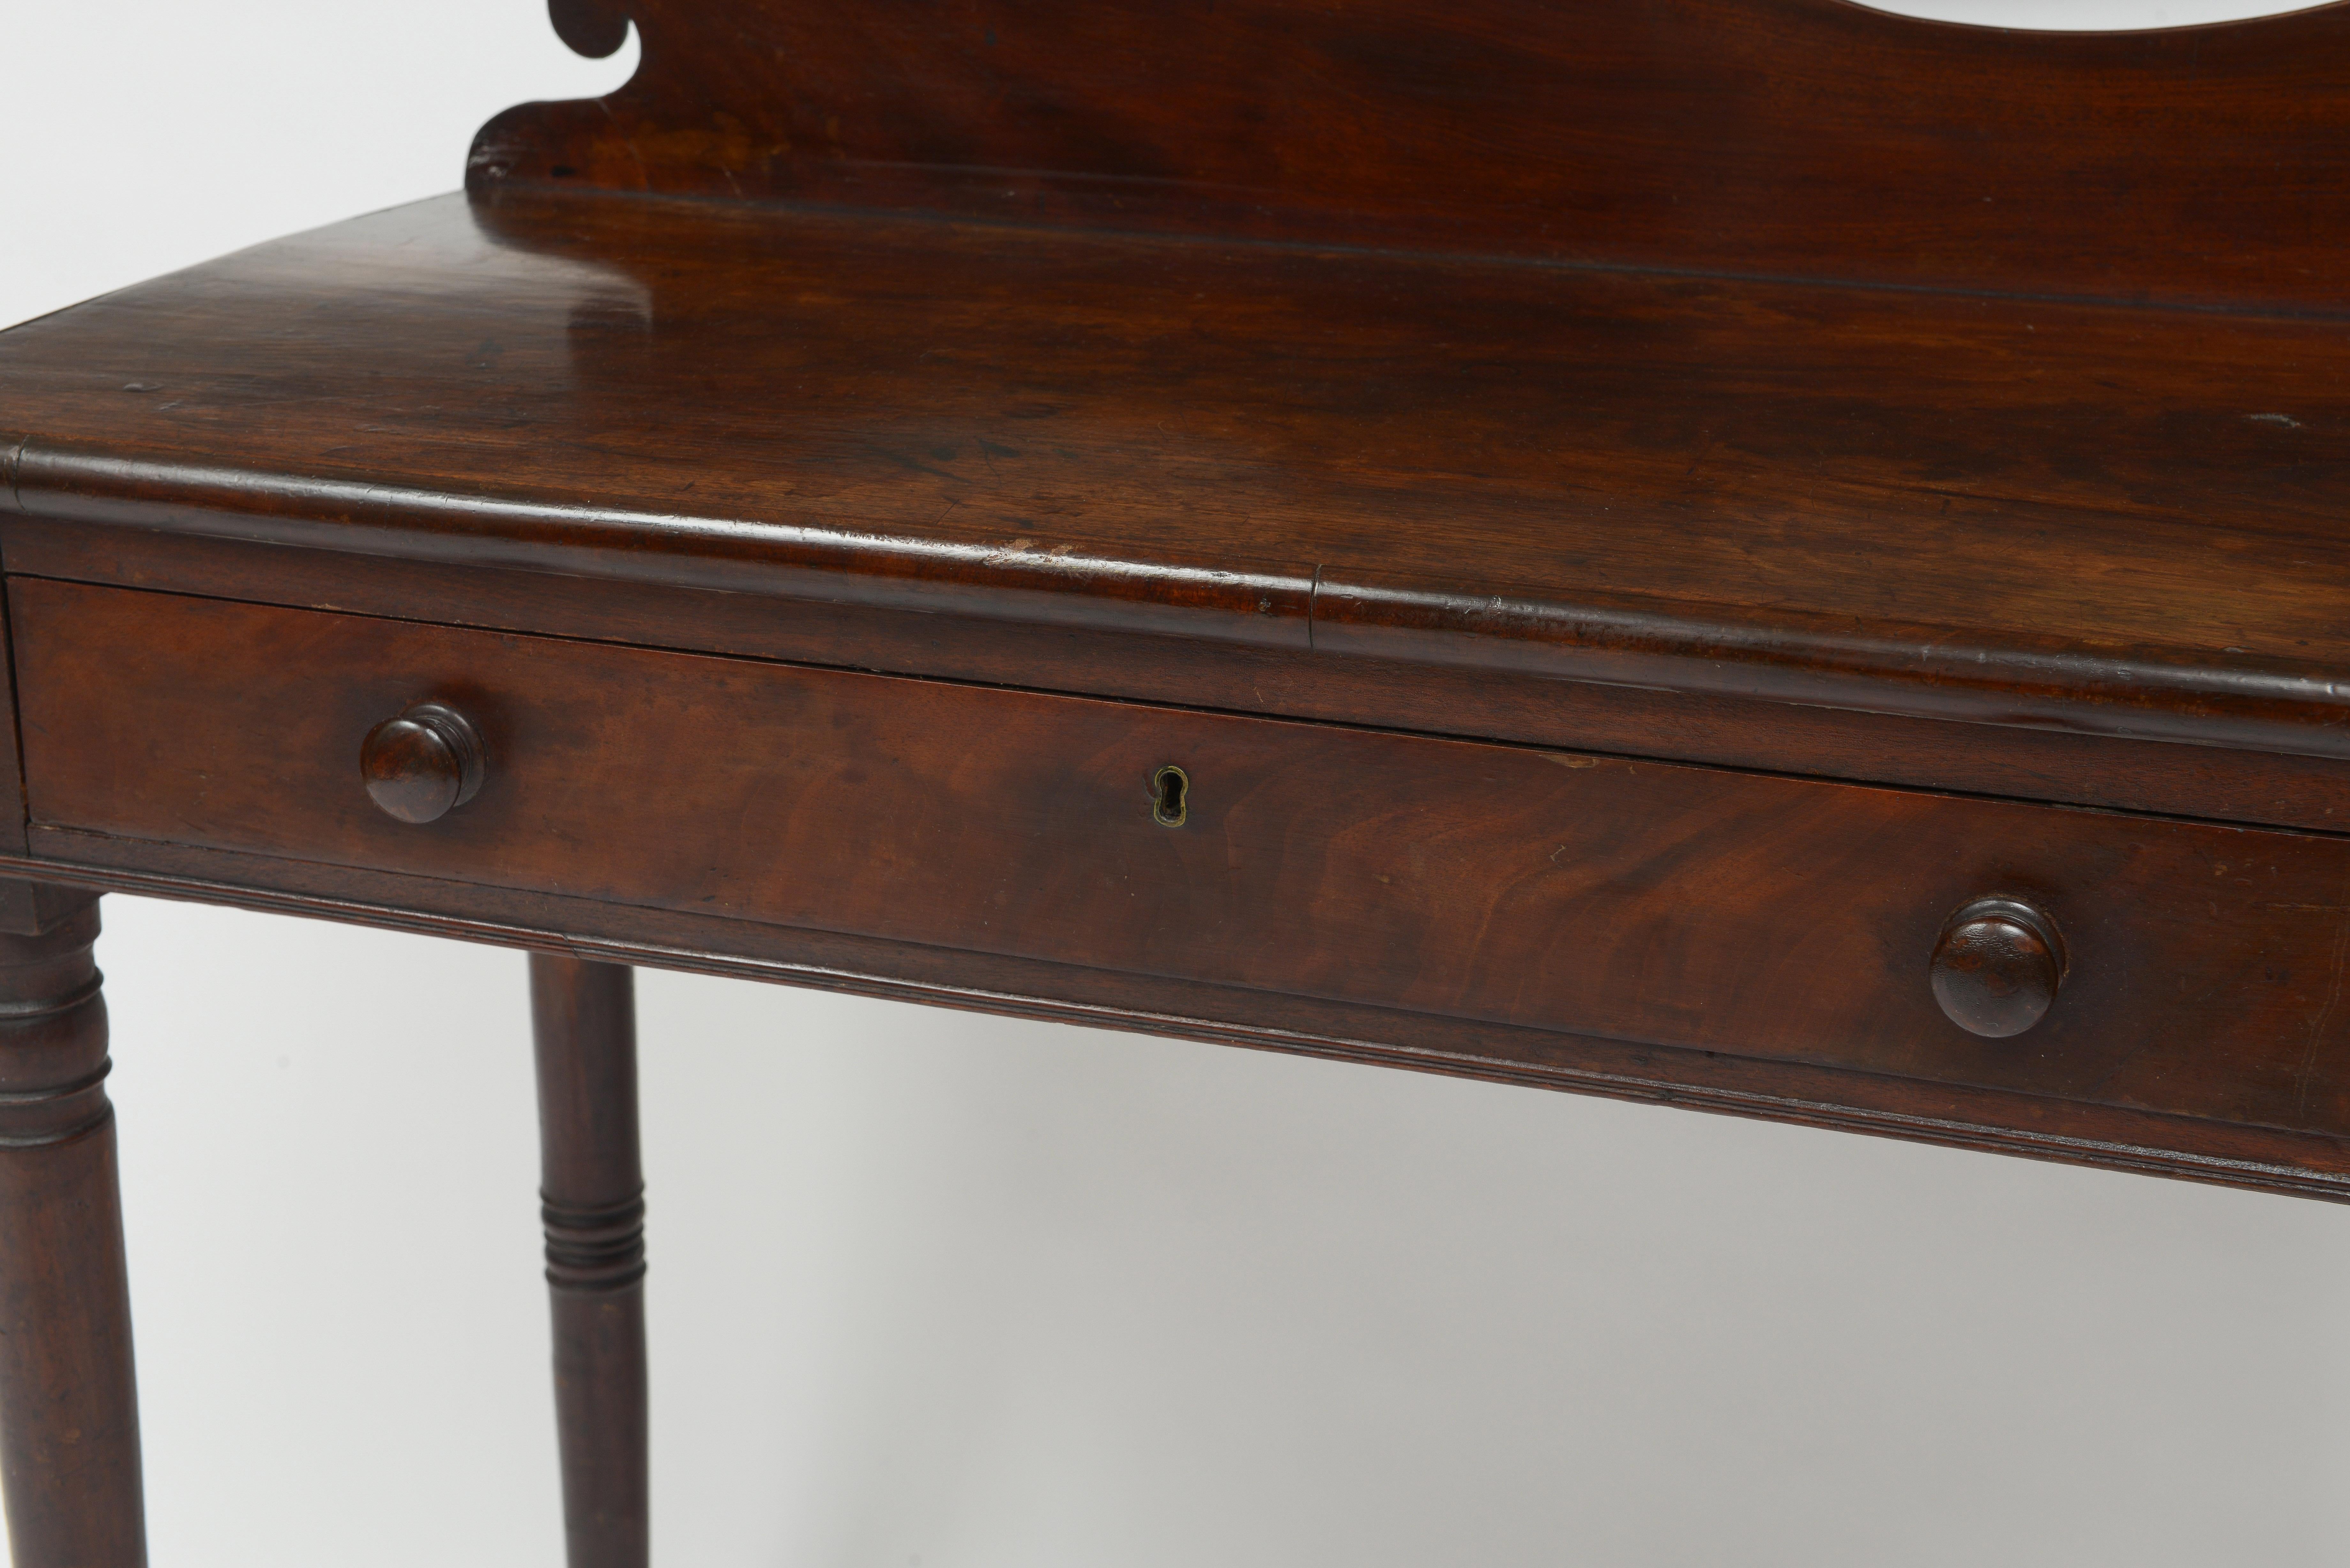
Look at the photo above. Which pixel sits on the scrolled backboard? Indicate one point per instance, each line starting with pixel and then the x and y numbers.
pixel 1802 139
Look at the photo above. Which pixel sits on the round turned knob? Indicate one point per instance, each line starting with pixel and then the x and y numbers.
pixel 424 763
pixel 1997 967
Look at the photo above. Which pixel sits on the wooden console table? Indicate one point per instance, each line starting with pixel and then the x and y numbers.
pixel 1753 554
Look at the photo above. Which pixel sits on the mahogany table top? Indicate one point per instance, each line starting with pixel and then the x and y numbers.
pixel 2057 514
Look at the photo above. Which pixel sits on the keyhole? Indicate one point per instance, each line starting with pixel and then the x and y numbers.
pixel 1171 788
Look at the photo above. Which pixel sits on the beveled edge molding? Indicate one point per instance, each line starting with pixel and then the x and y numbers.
pixel 2164 694
pixel 2231 1154
pixel 1911 670
pixel 1264 604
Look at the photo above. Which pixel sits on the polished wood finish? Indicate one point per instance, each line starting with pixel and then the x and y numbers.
pixel 2017 513
pixel 2084 770
pixel 593 29
pixel 582 1019
pixel 1804 138
pixel 1749 554
pixel 1997 967
pixel 423 762
pixel 68 1403
pixel 1570 892
pixel 2018 1122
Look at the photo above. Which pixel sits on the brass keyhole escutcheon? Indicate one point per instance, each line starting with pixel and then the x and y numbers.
pixel 1170 796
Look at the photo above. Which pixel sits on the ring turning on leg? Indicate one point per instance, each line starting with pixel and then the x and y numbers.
pixel 583 1016
pixel 68 1403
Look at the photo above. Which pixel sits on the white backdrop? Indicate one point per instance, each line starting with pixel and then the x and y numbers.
pixel 933 1291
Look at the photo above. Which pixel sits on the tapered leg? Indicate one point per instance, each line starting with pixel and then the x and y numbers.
pixel 68 1405
pixel 583 1015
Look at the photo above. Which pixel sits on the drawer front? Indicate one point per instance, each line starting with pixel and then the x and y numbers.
pixel 1760 915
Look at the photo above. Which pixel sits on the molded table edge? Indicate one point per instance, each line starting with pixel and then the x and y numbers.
pixel 1920 672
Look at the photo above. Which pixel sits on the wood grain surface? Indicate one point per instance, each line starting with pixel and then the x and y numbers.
pixel 1792 136
pixel 592 1192
pixel 1770 918
pixel 1510 705
pixel 69 1458
pixel 2018 513
pixel 1368 417
pixel 1960 1116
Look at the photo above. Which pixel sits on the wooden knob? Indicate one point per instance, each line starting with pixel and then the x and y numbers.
pixel 1997 967
pixel 424 763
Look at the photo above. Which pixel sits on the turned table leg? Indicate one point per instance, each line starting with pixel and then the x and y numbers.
pixel 68 1407
pixel 583 1017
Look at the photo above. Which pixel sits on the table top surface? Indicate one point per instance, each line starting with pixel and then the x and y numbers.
pixel 1246 439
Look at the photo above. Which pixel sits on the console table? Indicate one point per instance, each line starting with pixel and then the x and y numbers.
pixel 1750 554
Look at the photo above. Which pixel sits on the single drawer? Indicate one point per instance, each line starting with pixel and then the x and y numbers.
pixel 1762 915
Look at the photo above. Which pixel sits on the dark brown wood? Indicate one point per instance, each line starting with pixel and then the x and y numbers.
pixel 26 909
pixel 1773 383
pixel 18 912
pixel 1960 1116
pixel 2084 770
pixel 593 29
pixel 1791 137
pixel 69 1404
pixel 1583 893
pixel 423 762
pixel 1997 967
pixel 583 1018
pixel 2015 513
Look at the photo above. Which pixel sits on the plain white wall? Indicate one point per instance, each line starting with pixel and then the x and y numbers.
pixel 933 1290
